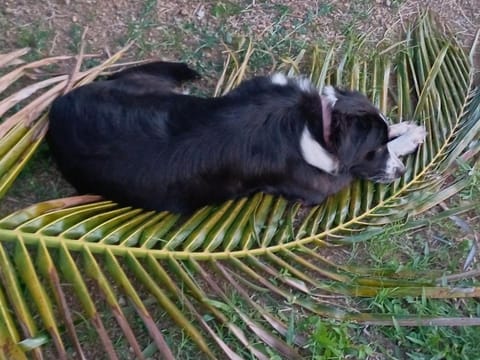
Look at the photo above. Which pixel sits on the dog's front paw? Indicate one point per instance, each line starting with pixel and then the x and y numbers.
pixel 416 134
pixel 408 142
pixel 400 129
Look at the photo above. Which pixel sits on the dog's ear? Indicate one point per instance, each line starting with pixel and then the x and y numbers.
pixel 317 114
pixel 328 98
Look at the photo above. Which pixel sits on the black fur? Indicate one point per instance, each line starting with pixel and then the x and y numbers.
pixel 134 140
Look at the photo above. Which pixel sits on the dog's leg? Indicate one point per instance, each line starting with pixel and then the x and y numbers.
pixel 399 129
pixel 407 142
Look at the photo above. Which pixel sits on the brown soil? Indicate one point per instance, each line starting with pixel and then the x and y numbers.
pixel 111 22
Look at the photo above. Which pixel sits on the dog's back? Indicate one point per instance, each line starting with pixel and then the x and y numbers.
pixel 134 140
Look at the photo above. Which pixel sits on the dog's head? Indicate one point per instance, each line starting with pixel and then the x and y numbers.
pixel 356 133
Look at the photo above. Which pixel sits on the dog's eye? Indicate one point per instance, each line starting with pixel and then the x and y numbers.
pixel 370 155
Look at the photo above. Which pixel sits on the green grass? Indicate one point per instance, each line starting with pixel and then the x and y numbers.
pixel 38 37
pixel 441 246
pixel 472 191
pixel 3 25
pixel 202 45
pixel 337 340
pixel 138 30
pixel 429 342
pixel 223 9
pixel 75 33
pixel 38 181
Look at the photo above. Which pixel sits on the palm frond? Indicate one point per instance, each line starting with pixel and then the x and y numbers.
pixel 216 274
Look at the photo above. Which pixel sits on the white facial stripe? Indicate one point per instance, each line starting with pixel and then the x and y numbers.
pixel 316 155
pixel 329 94
pixel 394 164
pixel 279 79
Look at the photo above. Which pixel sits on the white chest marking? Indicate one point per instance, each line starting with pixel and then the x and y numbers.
pixel 316 155
pixel 394 164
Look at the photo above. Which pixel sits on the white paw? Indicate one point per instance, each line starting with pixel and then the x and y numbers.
pixel 416 134
pixel 408 142
pixel 399 129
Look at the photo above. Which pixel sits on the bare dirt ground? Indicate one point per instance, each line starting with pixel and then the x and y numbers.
pixel 111 23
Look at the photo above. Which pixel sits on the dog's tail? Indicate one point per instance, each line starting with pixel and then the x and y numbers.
pixel 174 72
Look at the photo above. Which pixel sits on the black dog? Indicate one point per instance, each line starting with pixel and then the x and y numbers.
pixel 132 139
